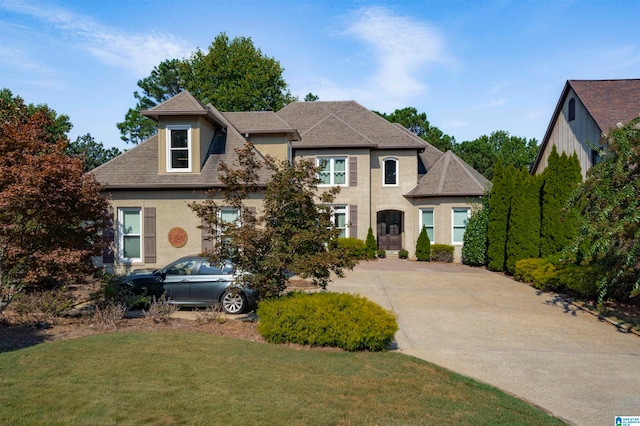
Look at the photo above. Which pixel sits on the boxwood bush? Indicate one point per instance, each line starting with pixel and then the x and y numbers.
pixel 354 247
pixel 340 320
pixel 442 253
pixel 403 254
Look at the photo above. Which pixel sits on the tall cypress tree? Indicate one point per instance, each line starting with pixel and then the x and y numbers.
pixel 523 237
pixel 560 179
pixel 499 212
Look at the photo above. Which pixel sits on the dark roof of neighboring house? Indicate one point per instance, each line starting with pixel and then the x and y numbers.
pixel 609 102
pixel 345 124
pixel 450 176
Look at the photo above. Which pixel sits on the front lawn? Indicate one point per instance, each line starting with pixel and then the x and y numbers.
pixel 195 378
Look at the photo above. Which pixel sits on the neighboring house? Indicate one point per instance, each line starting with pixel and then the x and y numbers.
pixel 585 112
pixel 392 181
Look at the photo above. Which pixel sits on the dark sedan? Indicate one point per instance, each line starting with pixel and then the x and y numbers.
pixel 192 281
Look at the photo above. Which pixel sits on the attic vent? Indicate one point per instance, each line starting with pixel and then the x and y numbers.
pixel 572 109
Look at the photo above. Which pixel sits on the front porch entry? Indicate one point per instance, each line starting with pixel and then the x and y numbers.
pixel 389 229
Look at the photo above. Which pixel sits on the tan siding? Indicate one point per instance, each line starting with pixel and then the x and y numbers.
pixel 573 136
pixel 275 145
pixel 207 130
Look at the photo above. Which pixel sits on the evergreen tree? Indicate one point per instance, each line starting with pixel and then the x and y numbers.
pixel 371 244
pixel 499 212
pixel 474 250
pixel 423 246
pixel 561 177
pixel 523 236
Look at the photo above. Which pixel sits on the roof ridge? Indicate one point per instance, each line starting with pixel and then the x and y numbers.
pixel 447 159
pixel 353 128
pixel 466 167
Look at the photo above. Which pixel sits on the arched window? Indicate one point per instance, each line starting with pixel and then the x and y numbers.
pixel 572 109
pixel 390 172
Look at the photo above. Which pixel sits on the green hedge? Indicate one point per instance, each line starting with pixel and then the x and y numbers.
pixel 550 273
pixel 339 320
pixel 354 247
pixel 442 253
pixel 403 254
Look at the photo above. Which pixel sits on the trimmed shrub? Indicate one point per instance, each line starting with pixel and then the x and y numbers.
pixel 582 280
pixel 541 273
pixel 354 247
pixel 340 320
pixel 442 253
pixel 423 246
pixel 382 254
pixel 474 250
pixel 372 245
pixel 403 254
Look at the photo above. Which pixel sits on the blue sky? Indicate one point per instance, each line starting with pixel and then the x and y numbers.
pixel 472 66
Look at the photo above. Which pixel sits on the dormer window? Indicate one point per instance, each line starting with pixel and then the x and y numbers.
pixel 572 109
pixel 390 172
pixel 179 149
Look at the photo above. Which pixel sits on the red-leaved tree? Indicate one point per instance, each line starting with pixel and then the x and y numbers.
pixel 51 213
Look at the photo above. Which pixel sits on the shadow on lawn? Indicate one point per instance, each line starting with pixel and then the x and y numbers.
pixel 14 337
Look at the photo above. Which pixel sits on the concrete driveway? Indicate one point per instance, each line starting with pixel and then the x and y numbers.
pixel 489 327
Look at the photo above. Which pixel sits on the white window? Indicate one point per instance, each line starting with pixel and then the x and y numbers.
pixel 390 172
pixel 130 234
pixel 340 219
pixel 229 214
pixel 426 220
pixel 179 149
pixel 460 220
pixel 334 170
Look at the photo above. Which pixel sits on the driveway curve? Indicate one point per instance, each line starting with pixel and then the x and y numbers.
pixel 508 334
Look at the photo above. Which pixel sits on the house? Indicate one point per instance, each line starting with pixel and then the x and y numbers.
pixel 390 179
pixel 585 112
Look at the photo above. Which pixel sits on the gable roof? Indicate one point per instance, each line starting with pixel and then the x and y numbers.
pixel 450 176
pixel 609 102
pixel 182 104
pixel 341 124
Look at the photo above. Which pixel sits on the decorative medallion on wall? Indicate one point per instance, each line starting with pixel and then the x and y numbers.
pixel 178 237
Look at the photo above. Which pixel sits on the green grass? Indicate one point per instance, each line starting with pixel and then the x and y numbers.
pixel 193 378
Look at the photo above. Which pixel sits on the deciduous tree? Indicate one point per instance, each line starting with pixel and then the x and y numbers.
pixel 609 202
pixel 51 213
pixel 293 233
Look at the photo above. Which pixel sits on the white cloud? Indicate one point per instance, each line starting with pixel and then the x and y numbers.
pixel 401 47
pixel 137 53
pixel 494 102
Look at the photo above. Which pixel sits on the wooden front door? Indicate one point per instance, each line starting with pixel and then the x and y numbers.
pixel 389 230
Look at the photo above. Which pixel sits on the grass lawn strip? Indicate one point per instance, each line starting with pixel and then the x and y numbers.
pixel 187 378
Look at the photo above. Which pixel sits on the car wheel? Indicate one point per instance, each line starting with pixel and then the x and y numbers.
pixel 125 296
pixel 233 302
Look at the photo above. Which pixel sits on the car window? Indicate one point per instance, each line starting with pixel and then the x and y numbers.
pixel 184 267
pixel 208 268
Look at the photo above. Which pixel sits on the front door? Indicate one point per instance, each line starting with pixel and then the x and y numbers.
pixel 389 230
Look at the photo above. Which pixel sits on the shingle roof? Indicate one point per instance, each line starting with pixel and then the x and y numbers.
pixel 345 124
pixel 182 104
pixel 138 167
pixel 260 122
pixel 450 176
pixel 609 101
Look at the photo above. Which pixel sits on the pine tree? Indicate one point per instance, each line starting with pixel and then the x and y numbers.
pixel 423 246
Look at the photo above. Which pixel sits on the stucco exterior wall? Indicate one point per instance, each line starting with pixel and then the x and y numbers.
pixel 172 210
pixel 442 220
pixel 352 195
pixel 277 146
